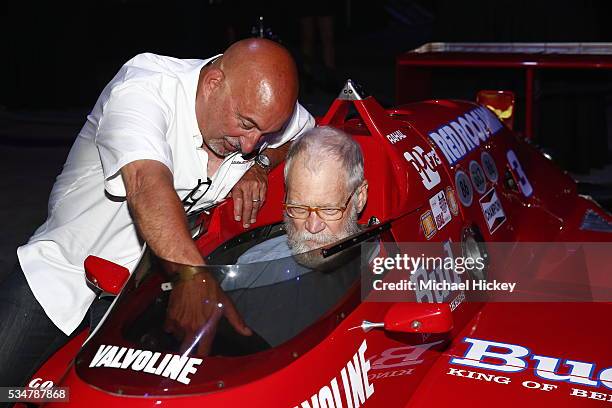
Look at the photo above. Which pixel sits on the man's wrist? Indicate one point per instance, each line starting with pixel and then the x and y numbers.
pixel 263 162
pixel 277 154
pixel 187 273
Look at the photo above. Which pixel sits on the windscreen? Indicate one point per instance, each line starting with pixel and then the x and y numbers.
pixel 178 329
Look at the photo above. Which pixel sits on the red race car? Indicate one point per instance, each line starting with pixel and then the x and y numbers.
pixel 447 175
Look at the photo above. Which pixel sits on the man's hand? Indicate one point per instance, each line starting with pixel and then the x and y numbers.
pixel 254 186
pixel 194 310
pixel 249 195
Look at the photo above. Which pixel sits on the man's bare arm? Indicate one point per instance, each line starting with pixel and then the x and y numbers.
pixel 193 310
pixel 158 212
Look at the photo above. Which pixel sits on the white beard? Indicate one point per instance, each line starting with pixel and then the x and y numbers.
pixel 303 243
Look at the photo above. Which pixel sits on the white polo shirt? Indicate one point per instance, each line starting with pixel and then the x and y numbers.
pixel 147 111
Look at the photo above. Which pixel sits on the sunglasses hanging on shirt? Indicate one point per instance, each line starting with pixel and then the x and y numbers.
pixel 196 194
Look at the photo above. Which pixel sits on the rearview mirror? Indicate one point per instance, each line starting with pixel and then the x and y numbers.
pixel 105 275
pixel 419 318
pixel 408 317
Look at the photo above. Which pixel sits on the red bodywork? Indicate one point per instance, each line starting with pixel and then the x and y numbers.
pixel 410 369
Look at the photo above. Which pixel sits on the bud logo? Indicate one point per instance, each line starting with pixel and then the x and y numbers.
pixel 423 281
pixel 512 358
pixel 425 164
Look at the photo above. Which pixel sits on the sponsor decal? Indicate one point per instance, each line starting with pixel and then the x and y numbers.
pixel 390 374
pixel 465 133
pixel 523 181
pixel 40 383
pixel 425 164
pixel 508 358
pixel 464 188
pixel 489 166
pixel 428 225
pixel 173 366
pixel 355 382
pixel 454 304
pixel 452 201
pixel 492 210
pixel 395 137
pixel 478 177
pixel 439 209
pixel 402 356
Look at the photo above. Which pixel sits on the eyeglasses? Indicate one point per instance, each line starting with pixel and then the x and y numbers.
pixel 301 212
pixel 196 194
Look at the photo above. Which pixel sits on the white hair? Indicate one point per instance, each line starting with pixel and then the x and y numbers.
pixel 327 143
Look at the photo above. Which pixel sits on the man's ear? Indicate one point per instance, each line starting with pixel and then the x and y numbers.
pixel 362 195
pixel 212 81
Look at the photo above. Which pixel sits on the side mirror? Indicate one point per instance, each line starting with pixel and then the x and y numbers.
pixel 408 317
pixel 105 275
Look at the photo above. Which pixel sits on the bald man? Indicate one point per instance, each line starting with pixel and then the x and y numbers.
pixel 166 136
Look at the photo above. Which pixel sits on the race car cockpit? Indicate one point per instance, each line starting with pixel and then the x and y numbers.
pixel 289 307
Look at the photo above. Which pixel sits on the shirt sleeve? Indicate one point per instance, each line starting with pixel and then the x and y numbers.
pixel 299 122
pixel 133 127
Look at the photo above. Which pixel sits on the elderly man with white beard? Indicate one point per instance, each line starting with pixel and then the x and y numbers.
pixel 282 291
pixel 325 192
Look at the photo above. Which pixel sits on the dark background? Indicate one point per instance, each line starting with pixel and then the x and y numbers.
pixel 61 54
pixel 57 57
